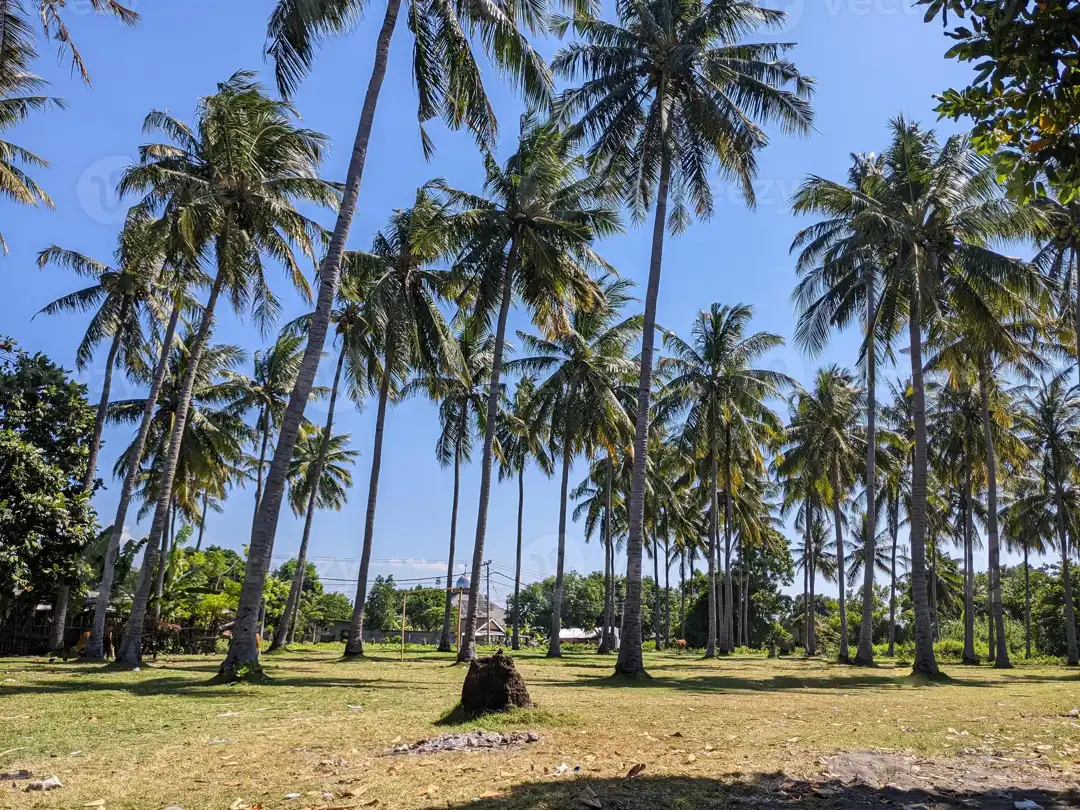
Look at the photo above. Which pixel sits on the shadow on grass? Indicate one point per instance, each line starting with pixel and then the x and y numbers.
pixel 766 791
pixel 536 717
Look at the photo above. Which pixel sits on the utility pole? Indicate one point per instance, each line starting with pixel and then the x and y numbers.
pixel 487 611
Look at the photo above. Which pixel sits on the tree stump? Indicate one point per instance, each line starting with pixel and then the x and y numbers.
pixel 493 685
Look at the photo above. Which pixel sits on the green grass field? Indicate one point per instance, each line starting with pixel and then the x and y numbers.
pixel 707 732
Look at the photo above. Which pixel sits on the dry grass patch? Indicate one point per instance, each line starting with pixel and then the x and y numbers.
pixel 164 737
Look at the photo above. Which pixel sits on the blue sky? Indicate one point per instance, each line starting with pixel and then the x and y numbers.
pixel 872 60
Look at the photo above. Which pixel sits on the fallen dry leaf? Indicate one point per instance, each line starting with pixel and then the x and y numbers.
pixel 635 771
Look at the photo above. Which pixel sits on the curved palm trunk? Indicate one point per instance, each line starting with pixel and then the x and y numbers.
pixel 714 531
pixel 630 661
pixel 130 651
pixel 1002 659
pixel 894 530
pixel 838 523
pixel 95 646
pixel 864 654
pixel 355 644
pixel 467 651
pixel 103 406
pixel 284 633
pixel 555 643
pixel 445 642
pixel 925 662
pixel 294 620
pixel 969 571
pixel 515 641
pixel 244 648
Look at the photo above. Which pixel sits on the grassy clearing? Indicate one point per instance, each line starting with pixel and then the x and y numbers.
pixel 163 736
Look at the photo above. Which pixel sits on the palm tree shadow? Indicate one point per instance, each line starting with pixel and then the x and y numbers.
pixel 762 790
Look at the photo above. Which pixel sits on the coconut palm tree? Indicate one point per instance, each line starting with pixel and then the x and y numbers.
pixel 268 394
pixel 670 92
pixel 449 85
pixel 18 99
pixel 319 479
pixel 459 393
pixel 409 333
pixel 50 12
pixel 801 479
pixel 584 364
pixel 228 187
pixel 839 265
pixel 1028 521
pixel 814 558
pixel 1050 425
pixel 939 212
pixel 519 442
pixel 725 400
pixel 530 236
pixel 603 510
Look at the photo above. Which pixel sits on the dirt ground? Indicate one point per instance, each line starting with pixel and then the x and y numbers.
pixel 739 732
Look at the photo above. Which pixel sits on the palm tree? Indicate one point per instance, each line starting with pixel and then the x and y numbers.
pixel 54 27
pixel 409 333
pixel 1050 422
pixel 227 186
pixel 449 85
pixel 894 494
pixel 460 395
pixel 17 52
pixel 938 212
pixel 839 268
pixel 603 509
pixel 1028 518
pixel 530 236
pixel 827 425
pixel 521 440
pixel 319 479
pixel 585 364
pixel 669 92
pixel 812 559
pixel 724 396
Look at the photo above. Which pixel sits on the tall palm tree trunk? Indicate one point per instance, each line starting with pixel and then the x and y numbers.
pixel 656 591
pixel 728 632
pixel 811 614
pixel 1002 659
pixel 167 540
pixel 244 648
pixel 283 634
pixel 667 595
pixel 445 643
pixel 103 406
pixel 682 596
pixel 131 649
pixel 467 651
pixel 1066 576
pixel 807 553
pixel 630 661
pixel 95 646
pixel 555 643
pixel 515 642
pixel 202 520
pixel 969 571
pixel 714 531
pixel 608 636
pixel 355 644
pixel 838 524
pixel 59 616
pixel 864 653
pixel 894 530
pixel 1027 605
pixel 925 662
pixel 933 588
pixel 264 423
